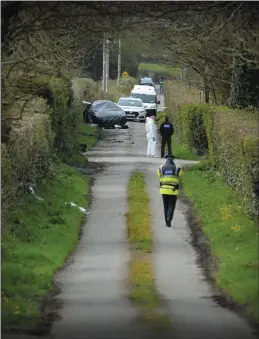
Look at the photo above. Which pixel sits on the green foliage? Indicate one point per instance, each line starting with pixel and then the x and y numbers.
pixel 230 141
pixel 65 119
pixel 244 84
pixel 115 92
pixel 27 158
pixel 127 84
pixel 130 58
pixel 50 126
pixel 86 89
pixel 232 235
pixel 193 128
pixel 158 70
pixel 35 242
pixel 178 95
pixel 180 151
pixel 138 218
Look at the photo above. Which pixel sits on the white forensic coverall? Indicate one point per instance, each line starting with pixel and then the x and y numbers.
pixel 151 137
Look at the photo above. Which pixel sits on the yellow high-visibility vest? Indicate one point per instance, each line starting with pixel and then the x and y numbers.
pixel 169 183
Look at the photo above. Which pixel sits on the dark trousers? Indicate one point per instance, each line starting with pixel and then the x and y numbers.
pixel 166 141
pixel 169 206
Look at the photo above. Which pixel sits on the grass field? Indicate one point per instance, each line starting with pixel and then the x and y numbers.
pixel 158 68
pixel 36 241
pixel 232 234
pixel 142 278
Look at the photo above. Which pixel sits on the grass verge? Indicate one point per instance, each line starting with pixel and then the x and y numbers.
pixel 142 279
pixel 138 218
pixel 180 151
pixel 232 235
pixel 37 239
pixel 87 135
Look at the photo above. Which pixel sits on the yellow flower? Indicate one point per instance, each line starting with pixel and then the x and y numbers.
pixel 226 212
pixel 235 228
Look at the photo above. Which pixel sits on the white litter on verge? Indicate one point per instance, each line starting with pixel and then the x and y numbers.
pixel 71 203
pixel 36 196
pixel 80 208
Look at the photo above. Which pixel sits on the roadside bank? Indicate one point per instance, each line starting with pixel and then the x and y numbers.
pixel 226 239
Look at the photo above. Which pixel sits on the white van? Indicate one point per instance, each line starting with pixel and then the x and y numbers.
pixel 148 95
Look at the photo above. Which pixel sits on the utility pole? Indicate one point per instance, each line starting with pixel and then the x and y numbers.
pixel 119 64
pixel 107 63
pixel 104 62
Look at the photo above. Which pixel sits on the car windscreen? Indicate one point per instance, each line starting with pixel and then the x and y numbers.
pixel 131 103
pixel 146 84
pixel 146 80
pixel 146 98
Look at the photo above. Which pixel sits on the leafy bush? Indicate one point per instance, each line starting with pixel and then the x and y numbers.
pixel 26 158
pixel 177 96
pixel 86 89
pixel 230 139
pixel 244 84
pixel 126 85
pixel 193 128
pixel 49 126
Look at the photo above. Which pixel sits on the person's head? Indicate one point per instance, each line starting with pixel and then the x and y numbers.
pixel 166 119
pixel 153 117
pixel 169 159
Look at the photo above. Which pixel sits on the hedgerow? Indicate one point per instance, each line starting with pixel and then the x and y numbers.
pixel 229 138
pixel 46 132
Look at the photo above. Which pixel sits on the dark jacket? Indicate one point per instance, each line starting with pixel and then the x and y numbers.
pixel 166 129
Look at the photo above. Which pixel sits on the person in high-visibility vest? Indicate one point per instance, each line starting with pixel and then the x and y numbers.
pixel 169 176
pixel 162 86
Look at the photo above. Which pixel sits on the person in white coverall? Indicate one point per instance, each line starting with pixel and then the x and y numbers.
pixel 151 136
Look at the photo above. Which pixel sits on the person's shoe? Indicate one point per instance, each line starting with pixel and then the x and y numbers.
pixel 168 223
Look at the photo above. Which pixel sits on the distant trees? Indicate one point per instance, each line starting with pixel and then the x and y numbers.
pixel 64 38
pixel 209 40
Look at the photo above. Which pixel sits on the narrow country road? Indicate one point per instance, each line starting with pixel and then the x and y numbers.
pixel 94 294
pixel 94 291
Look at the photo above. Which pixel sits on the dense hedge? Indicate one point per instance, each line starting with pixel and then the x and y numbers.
pixel 48 131
pixel 27 157
pixel 230 140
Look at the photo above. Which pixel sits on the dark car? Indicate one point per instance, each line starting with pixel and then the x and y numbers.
pixel 105 113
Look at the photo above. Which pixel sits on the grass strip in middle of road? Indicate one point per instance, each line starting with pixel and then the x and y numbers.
pixel 142 279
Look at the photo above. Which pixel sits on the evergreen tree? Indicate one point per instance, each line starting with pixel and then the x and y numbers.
pixel 244 88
